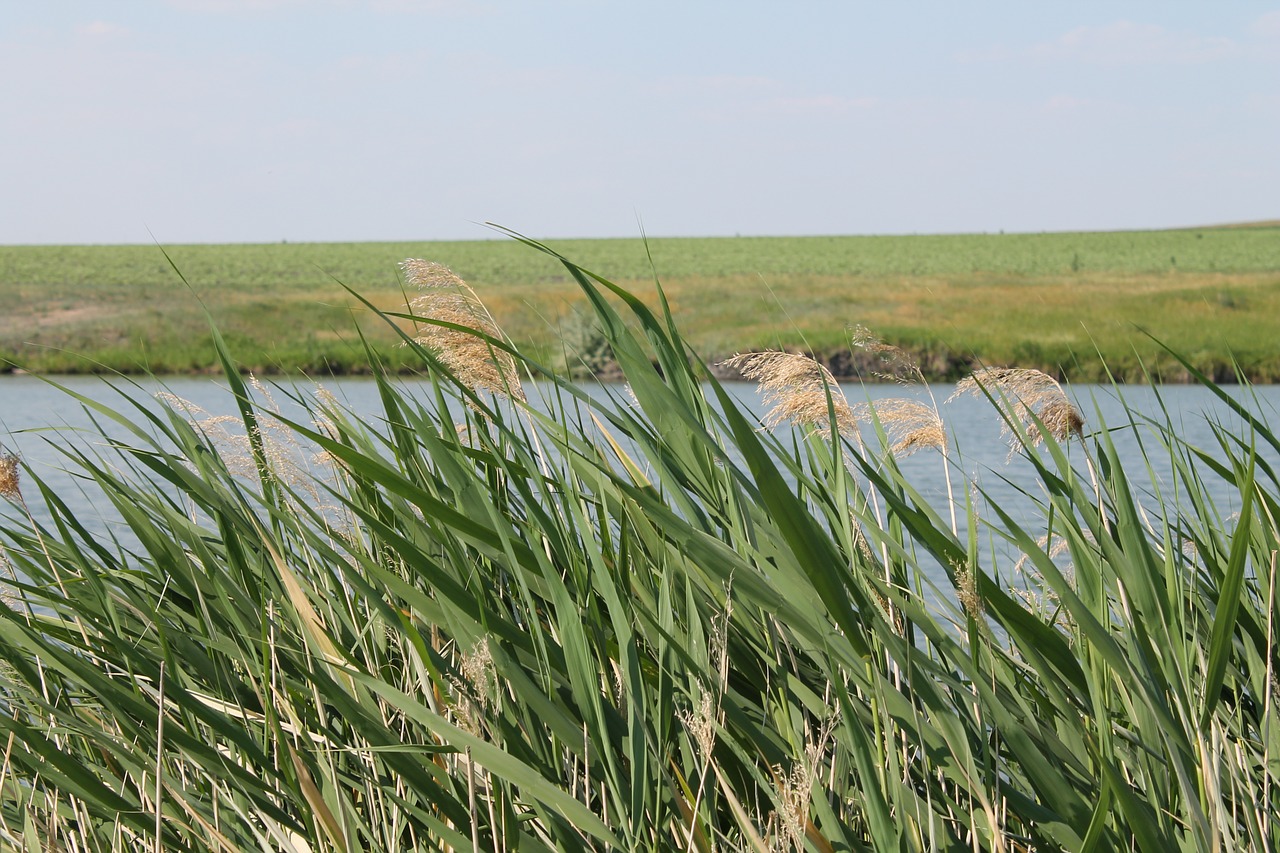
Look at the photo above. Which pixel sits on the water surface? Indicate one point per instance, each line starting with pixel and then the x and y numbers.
pixel 41 422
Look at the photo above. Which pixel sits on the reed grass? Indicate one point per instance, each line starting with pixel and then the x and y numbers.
pixel 647 623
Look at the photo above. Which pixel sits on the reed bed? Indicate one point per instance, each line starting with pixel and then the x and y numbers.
pixel 650 622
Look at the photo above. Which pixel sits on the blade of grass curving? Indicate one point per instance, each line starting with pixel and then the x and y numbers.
pixel 1256 424
pixel 324 816
pixel 532 783
pixel 1228 603
pixel 810 545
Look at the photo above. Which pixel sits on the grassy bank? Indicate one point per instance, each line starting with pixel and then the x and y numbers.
pixel 1052 301
pixel 642 623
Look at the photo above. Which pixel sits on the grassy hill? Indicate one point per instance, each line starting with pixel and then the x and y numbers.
pixel 1052 301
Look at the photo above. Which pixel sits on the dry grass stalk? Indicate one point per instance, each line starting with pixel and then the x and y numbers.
pixel 10 483
pixel 1026 395
pixel 798 389
pixel 446 298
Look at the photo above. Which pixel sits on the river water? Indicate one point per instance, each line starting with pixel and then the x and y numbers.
pixel 40 420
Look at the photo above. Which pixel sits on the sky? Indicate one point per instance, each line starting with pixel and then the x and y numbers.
pixel 211 121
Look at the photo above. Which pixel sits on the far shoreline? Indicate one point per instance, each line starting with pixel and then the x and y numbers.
pixel 1079 306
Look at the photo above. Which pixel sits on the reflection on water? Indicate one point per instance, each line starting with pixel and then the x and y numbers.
pixel 43 423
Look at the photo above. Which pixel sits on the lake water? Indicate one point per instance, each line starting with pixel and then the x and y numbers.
pixel 39 421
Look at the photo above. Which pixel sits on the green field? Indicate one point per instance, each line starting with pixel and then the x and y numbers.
pixel 1050 301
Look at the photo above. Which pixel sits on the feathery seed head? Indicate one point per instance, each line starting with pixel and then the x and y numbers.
pixel 323 419
pixel 1062 419
pixel 793 816
pixel 1025 384
pixel 446 298
pixel 928 436
pixel 281 451
pixel 795 789
pixel 9 477
pixel 797 388
pixel 860 539
pixel 1037 594
pixel 476 688
pixel 909 424
pixel 967 592
pixel 1054 547
pixel 1026 395
pixel 479 670
pixel 700 723
pixel 896 364
pixel 428 274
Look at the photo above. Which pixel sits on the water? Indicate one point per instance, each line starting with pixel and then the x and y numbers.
pixel 40 421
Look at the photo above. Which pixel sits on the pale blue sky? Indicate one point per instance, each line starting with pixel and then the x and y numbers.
pixel 263 120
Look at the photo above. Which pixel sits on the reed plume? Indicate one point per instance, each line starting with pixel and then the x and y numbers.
pixel 234 446
pixel 1035 592
pixel 967 593
pixel 1025 396
pixel 909 424
pixel 445 298
pixel 896 364
pixel 476 686
pixel 795 790
pixel 288 460
pixel 798 389
pixel 1055 546
pixel 10 486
